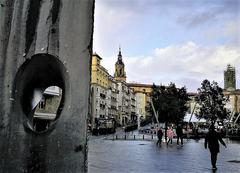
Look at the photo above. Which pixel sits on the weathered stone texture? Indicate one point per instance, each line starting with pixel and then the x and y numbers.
pixel 47 29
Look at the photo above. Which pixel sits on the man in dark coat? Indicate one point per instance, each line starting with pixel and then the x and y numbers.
pixel 211 141
pixel 179 134
pixel 159 135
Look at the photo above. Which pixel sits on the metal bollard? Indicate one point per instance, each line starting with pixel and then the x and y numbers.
pixel 116 137
pixel 152 136
pixel 143 137
pixel 134 137
pixel 125 137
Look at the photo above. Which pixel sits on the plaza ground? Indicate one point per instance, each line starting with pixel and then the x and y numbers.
pixel 129 156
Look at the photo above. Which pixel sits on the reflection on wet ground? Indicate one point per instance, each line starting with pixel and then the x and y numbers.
pixel 145 156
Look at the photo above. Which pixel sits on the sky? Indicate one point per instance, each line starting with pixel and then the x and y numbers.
pixel 163 41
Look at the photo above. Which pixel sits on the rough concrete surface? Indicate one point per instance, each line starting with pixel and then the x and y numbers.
pixel 44 43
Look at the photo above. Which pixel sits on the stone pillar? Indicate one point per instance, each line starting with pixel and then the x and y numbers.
pixel 44 43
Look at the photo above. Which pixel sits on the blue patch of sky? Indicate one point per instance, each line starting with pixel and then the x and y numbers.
pixel 144 37
pixel 163 23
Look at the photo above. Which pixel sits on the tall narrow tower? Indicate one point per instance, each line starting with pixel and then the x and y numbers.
pixel 230 78
pixel 120 74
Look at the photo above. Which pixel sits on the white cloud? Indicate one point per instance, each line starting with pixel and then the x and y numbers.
pixel 142 25
pixel 186 64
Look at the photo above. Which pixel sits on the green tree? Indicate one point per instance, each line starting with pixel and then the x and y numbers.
pixel 170 103
pixel 211 102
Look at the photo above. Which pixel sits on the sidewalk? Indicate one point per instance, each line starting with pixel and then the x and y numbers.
pixel 145 157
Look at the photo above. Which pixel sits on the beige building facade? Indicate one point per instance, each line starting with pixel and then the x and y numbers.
pixel 111 97
pixel 142 98
pixel 99 91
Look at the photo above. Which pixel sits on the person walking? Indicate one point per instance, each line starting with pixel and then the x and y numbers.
pixel 159 135
pixel 179 132
pixel 211 141
pixel 170 135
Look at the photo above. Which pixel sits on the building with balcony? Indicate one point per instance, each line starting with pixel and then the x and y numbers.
pixel 126 96
pixel 133 104
pixel 99 92
pixel 112 96
pixel 123 103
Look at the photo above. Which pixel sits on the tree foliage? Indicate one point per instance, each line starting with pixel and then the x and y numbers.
pixel 211 102
pixel 169 102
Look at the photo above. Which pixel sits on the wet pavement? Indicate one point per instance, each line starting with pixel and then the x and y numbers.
pixel 113 156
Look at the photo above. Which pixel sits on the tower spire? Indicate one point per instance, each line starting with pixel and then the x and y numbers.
pixel 120 74
pixel 120 54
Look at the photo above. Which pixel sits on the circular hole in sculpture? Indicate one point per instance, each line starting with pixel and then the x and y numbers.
pixel 41 85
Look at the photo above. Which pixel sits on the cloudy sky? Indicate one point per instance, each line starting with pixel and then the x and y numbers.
pixel 163 41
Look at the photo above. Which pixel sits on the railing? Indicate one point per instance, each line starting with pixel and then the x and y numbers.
pixel 136 137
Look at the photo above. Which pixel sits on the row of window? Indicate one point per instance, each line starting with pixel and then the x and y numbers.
pixel 102 106
pixel 101 73
pixel 102 91
pixel 101 83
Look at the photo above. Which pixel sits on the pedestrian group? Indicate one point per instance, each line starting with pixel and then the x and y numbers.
pixel 211 141
pixel 170 135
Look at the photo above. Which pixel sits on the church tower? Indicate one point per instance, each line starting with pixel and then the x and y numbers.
pixel 230 78
pixel 120 74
